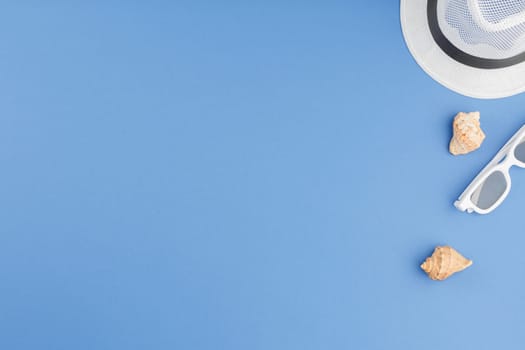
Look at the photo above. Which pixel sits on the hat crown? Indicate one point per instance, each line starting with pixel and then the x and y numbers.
pixel 497 15
pixel 490 29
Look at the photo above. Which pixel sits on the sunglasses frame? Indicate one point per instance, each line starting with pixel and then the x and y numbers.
pixel 502 162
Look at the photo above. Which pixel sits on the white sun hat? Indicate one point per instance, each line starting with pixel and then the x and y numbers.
pixel 473 47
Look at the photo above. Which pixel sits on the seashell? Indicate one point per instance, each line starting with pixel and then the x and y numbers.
pixel 444 262
pixel 467 134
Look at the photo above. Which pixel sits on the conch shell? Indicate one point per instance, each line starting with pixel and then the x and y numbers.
pixel 468 135
pixel 444 262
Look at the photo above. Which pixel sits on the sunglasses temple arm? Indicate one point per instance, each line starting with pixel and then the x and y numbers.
pixel 505 149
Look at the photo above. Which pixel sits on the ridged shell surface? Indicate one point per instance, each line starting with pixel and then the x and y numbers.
pixel 444 262
pixel 467 134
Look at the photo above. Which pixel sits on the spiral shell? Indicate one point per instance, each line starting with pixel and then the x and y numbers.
pixel 444 262
pixel 467 133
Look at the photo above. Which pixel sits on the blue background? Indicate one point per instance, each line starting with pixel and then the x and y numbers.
pixel 235 175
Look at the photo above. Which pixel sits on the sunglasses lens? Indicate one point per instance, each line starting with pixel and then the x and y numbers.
pixel 519 152
pixel 489 191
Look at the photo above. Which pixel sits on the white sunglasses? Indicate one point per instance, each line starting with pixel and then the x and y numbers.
pixel 491 186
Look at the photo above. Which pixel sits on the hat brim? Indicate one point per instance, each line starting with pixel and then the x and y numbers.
pixel 459 77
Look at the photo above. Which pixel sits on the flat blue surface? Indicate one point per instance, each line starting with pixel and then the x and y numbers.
pixel 234 175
